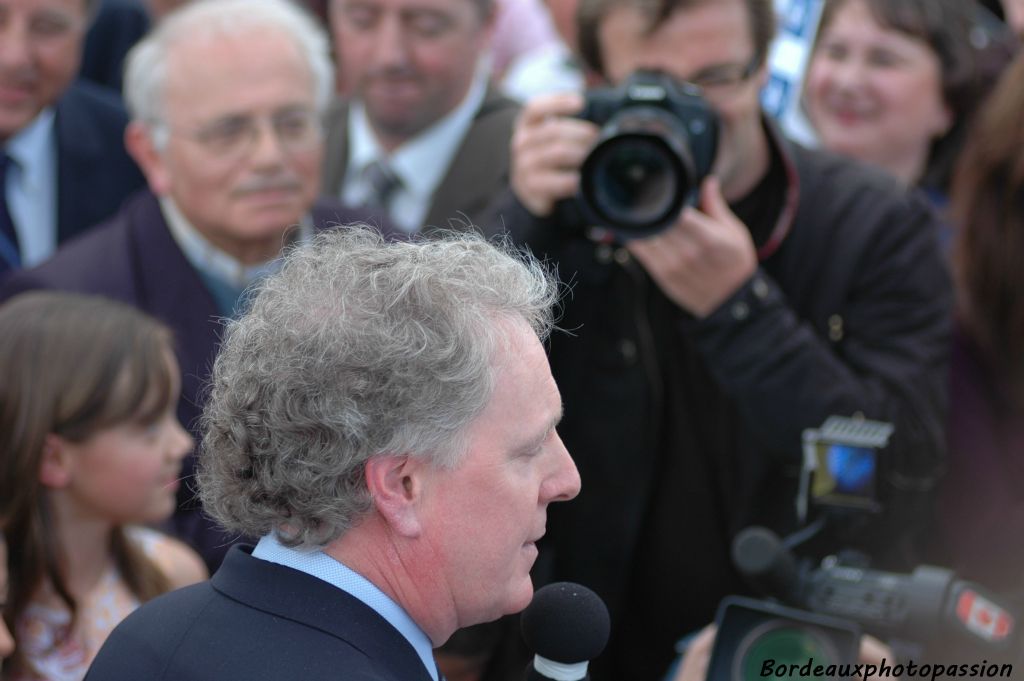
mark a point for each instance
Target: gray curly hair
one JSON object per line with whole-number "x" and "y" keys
{"x": 357, "y": 347}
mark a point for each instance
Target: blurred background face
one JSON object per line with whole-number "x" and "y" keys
{"x": 410, "y": 61}
{"x": 6, "y": 640}
{"x": 158, "y": 9}
{"x": 243, "y": 158}
{"x": 1014, "y": 11}
{"x": 875, "y": 93}
{"x": 563, "y": 14}
{"x": 40, "y": 50}
{"x": 709, "y": 43}
{"x": 128, "y": 472}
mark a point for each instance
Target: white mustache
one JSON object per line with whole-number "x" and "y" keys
{"x": 260, "y": 184}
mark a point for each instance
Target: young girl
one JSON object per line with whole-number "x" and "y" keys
{"x": 89, "y": 445}
{"x": 6, "y": 640}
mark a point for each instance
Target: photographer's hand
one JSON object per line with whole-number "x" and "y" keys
{"x": 697, "y": 658}
{"x": 703, "y": 258}
{"x": 548, "y": 148}
{"x": 694, "y": 665}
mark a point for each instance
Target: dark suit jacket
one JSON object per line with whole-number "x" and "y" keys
{"x": 118, "y": 25}
{"x": 134, "y": 259}
{"x": 94, "y": 172}
{"x": 256, "y": 620}
{"x": 477, "y": 174}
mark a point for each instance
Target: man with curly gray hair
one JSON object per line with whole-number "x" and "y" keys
{"x": 384, "y": 418}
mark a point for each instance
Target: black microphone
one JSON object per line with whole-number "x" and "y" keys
{"x": 766, "y": 563}
{"x": 566, "y": 625}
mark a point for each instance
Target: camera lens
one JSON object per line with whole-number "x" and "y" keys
{"x": 635, "y": 182}
{"x": 785, "y": 644}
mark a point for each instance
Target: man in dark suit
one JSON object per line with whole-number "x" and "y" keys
{"x": 384, "y": 418}
{"x": 226, "y": 128}
{"x": 423, "y": 139}
{"x": 63, "y": 166}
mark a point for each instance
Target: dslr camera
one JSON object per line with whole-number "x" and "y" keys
{"x": 658, "y": 141}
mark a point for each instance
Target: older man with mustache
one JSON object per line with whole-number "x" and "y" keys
{"x": 227, "y": 100}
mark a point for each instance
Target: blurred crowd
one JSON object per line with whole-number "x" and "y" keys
{"x": 157, "y": 158}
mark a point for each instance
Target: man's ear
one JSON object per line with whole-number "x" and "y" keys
{"x": 395, "y": 486}
{"x": 55, "y": 468}
{"x": 138, "y": 141}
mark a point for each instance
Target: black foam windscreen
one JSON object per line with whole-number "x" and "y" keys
{"x": 765, "y": 562}
{"x": 566, "y": 623}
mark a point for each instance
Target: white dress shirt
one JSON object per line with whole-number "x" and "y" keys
{"x": 31, "y": 188}
{"x": 318, "y": 564}
{"x": 213, "y": 261}
{"x": 420, "y": 163}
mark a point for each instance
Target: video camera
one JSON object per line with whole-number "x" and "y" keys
{"x": 658, "y": 141}
{"x": 825, "y": 607}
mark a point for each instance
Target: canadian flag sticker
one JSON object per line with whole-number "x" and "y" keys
{"x": 982, "y": 617}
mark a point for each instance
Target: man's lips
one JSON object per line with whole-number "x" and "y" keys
{"x": 394, "y": 88}
{"x": 14, "y": 93}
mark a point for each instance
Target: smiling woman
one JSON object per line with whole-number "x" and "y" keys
{"x": 894, "y": 83}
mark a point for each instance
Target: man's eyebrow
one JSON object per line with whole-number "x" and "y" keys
{"x": 715, "y": 68}
{"x": 536, "y": 442}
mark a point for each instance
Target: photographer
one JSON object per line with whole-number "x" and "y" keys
{"x": 799, "y": 286}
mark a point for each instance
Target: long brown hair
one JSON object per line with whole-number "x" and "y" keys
{"x": 988, "y": 208}
{"x": 70, "y": 365}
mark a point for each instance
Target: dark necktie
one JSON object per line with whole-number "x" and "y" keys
{"x": 10, "y": 251}
{"x": 382, "y": 182}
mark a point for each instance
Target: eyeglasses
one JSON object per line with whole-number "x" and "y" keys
{"x": 296, "y": 129}
{"x": 722, "y": 77}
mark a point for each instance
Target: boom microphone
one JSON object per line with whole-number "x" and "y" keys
{"x": 926, "y": 604}
{"x": 566, "y": 625}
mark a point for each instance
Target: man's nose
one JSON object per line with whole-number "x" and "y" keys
{"x": 267, "y": 147}
{"x": 564, "y": 484}
{"x": 15, "y": 46}
{"x": 391, "y": 46}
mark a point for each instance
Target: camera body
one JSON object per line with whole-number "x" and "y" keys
{"x": 928, "y": 613}
{"x": 658, "y": 141}
{"x": 760, "y": 639}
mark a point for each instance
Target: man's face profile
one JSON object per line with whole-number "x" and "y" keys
{"x": 483, "y": 518}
